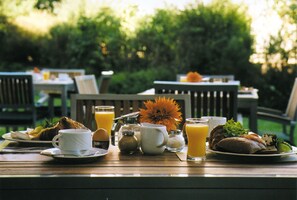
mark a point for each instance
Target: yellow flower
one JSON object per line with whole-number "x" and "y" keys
{"x": 194, "y": 77}
{"x": 163, "y": 111}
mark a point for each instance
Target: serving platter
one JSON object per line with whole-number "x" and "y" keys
{"x": 294, "y": 151}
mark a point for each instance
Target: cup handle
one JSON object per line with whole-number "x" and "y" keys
{"x": 165, "y": 138}
{"x": 54, "y": 140}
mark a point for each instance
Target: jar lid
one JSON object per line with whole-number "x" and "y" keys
{"x": 128, "y": 132}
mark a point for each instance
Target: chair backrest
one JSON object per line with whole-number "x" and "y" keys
{"x": 291, "y": 110}
{"x": 17, "y": 98}
{"x": 82, "y": 106}
{"x": 207, "y": 99}
{"x": 71, "y": 72}
{"x": 104, "y": 81}
{"x": 86, "y": 84}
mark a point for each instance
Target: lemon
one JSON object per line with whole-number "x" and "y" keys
{"x": 283, "y": 147}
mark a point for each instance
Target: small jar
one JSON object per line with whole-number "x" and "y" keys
{"x": 130, "y": 124}
{"x": 176, "y": 141}
{"x": 128, "y": 142}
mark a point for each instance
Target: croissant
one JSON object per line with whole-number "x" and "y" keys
{"x": 48, "y": 134}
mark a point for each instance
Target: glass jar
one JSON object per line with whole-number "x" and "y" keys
{"x": 130, "y": 124}
{"x": 176, "y": 141}
{"x": 128, "y": 142}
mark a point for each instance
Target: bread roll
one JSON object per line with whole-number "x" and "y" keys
{"x": 240, "y": 145}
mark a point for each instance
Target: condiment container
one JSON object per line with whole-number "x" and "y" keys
{"x": 176, "y": 141}
{"x": 128, "y": 142}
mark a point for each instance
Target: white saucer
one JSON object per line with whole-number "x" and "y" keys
{"x": 90, "y": 156}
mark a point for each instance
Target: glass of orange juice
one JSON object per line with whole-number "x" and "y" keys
{"x": 196, "y": 130}
{"x": 104, "y": 116}
{"x": 46, "y": 75}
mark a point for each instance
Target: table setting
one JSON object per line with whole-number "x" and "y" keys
{"x": 155, "y": 129}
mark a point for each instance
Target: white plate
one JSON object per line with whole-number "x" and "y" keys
{"x": 92, "y": 155}
{"x": 294, "y": 151}
{"x": 7, "y": 136}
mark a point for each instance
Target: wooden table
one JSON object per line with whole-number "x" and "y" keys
{"x": 61, "y": 87}
{"x": 138, "y": 176}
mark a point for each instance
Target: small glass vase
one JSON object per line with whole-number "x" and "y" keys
{"x": 176, "y": 141}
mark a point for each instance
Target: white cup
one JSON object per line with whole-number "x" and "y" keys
{"x": 214, "y": 121}
{"x": 154, "y": 138}
{"x": 73, "y": 141}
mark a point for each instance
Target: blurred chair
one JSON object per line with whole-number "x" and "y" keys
{"x": 86, "y": 84}
{"x": 287, "y": 119}
{"x": 104, "y": 81}
{"x": 207, "y": 99}
{"x": 17, "y": 107}
{"x": 82, "y": 105}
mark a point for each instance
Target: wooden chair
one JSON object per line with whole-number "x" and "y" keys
{"x": 82, "y": 105}
{"x": 17, "y": 108}
{"x": 104, "y": 81}
{"x": 86, "y": 84}
{"x": 207, "y": 99}
{"x": 287, "y": 119}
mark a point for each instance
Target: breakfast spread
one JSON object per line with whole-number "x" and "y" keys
{"x": 232, "y": 137}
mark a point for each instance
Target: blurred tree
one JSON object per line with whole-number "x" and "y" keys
{"x": 48, "y": 5}
{"x": 215, "y": 39}
{"x": 154, "y": 44}
{"x": 95, "y": 43}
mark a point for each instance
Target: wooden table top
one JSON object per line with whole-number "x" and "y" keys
{"x": 138, "y": 176}
{"x": 167, "y": 164}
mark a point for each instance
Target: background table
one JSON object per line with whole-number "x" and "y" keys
{"x": 62, "y": 87}
{"x": 166, "y": 176}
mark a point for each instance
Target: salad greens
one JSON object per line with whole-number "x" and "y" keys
{"x": 234, "y": 129}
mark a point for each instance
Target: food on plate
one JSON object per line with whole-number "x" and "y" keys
{"x": 273, "y": 142}
{"x": 232, "y": 137}
{"x": 49, "y": 132}
{"x": 240, "y": 145}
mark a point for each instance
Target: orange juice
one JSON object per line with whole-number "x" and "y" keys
{"x": 104, "y": 119}
{"x": 46, "y": 75}
{"x": 197, "y": 134}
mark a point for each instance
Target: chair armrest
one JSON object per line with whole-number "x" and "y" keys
{"x": 275, "y": 118}
{"x": 269, "y": 110}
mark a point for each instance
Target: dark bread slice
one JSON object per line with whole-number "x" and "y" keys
{"x": 240, "y": 145}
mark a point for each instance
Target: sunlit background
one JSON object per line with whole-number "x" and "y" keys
{"x": 265, "y": 21}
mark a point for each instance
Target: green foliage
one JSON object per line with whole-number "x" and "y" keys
{"x": 95, "y": 43}
{"x": 18, "y": 48}
{"x": 214, "y": 39}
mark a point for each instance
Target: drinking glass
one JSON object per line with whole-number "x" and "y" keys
{"x": 104, "y": 116}
{"x": 46, "y": 75}
{"x": 196, "y": 130}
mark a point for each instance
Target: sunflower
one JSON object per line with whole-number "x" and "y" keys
{"x": 164, "y": 111}
{"x": 194, "y": 77}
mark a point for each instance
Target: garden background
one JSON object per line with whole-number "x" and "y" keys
{"x": 210, "y": 38}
